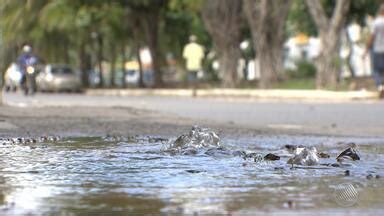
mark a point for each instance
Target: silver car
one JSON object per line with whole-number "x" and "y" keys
{"x": 58, "y": 78}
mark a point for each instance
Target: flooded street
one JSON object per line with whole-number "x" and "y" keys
{"x": 122, "y": 175}
{"x": 88, "y": 172}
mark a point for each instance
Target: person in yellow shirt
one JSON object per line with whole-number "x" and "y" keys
{"x": 193, "y": 54}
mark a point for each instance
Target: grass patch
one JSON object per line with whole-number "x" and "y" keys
{"x": 309, "y": 84}
{"x": 305, "y": 83}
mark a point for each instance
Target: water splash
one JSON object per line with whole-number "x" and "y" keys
{"x": 197, "y": 138}
{"x": 305, "y": 156}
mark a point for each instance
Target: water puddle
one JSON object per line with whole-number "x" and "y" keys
{"x": 194, "y": 173}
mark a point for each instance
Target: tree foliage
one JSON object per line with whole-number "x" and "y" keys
{"x": 300, "y": 20}
{"x": 84, "y": 33}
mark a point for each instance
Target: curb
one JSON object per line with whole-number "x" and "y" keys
{"x": 274, "y": 94}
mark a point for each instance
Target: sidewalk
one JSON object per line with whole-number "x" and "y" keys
{"x": 272, "y": 94}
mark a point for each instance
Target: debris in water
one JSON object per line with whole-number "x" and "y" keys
{"x": 331, "y": 164}
{"x": 369, "y": 176}
{"x": 294, "y": 149}
{"x": 194, "y": 171}
{"x": 252, "y": 155}
{"x": 181, "y": 141}
{"x": 190, "y": 151}
{"x": 348, "y": 154}
{"x": 48, "y": 139}
{"x": 239, "y": 154}
{"x": 30, "y": 140}
{"x": 218, "y": 151}
{"x": 258, "y": 158}
{"x": 289, "y": 204}
{"x": 323, "y": 155}
{"x": 157, "y": 140}
{"x": 347, "y": 172}
{"x": 272, "y": 157}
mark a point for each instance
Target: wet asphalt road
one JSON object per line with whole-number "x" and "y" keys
{"x": 358, "y": 118}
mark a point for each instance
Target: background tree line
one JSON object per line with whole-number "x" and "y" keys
{"x": 84, "y": 33}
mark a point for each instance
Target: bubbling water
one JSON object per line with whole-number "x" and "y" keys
{"x": 196, "y": 139}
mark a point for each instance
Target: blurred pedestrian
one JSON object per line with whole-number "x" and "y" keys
{"x": 27, "y": 62}
{"x": 193, "y": 54}
{"x": 375, "y": 46}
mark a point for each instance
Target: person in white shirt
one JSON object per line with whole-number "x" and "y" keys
{"x": 376, "y": 47}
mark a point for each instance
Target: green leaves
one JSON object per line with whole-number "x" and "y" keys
{"x": 58, "y": 15}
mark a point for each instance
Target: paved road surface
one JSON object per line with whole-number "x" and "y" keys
{"x": 346, "y": 118}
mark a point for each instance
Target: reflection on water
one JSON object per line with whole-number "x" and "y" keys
{"x": 123, "y": 175}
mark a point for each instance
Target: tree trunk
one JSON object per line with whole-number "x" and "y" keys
{"x": 136, "y": 39}
{"x": 328, "y": 63}
{"x": 350, "y": 55}
{"x": 141, "y": 81}
{"x": 268, "y": 42}
{"x": 113, "y": 65}
{"x": 100, "y": 60}
{"x": 155, "y": 63}
{"x": 83, "y": 64}
{"x": 269, "y": 64}
{"x": 151, "y": 25}
{"x": 223, "y": 20}
{"x": 123, "y": 60}
{"x": 66, "y": 52}
{"x": 228, "y": 65}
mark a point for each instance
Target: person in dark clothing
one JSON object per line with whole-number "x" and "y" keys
{"x": 26, "y": 61}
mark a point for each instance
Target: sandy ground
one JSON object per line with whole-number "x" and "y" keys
{"x": 101, "y": 121}
{"x": 85, "y": 115}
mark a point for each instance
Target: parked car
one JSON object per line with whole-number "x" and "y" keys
{"x": 12, "y": 77}
{"x": 132, "y": 77}
{"x": 58, "y": 78}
